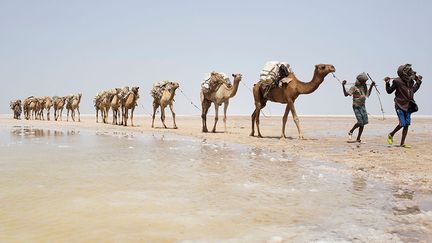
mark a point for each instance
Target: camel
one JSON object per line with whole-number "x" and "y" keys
{"x": 16, "y": 108}
{"x": 219, "y": 96}
{"x": 287, "y": 94}
{"x": 58, "y": 104}
{"x": 116, "y": 103}
{"x": 73, "y": 103}
{"x": 167, "y": 98}
{"x": 46, "y": 103}
{"x": 129, "y": 102}
{"x": 31, "y": 106}
{"x": 102, "y": 104}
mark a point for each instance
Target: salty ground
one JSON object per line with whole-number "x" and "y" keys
{"x": 87, "y": 181}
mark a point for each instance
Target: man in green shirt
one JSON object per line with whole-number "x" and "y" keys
{"x": 359, "y": 92}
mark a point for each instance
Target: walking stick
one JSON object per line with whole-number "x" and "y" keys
{"x": 378, "y": 94}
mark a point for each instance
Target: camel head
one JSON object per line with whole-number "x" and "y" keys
{"x": 135, "y": 90}
{"x": 323, "y": 69}
{"x": 237, "y": 76}
{"x": 172, "y": 86}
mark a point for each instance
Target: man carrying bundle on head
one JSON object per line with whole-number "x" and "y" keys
{"x": 359, "y": 92}
{"x": 404, "y": 99}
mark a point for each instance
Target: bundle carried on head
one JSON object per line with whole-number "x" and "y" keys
{"x": 212, "y": 81}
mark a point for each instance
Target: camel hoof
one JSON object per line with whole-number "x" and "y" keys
{"x": 204, "y": 130}
{"x": 260, "y": 136}
{"x": 175, "y": 127}
{"x": 301, "y": 137}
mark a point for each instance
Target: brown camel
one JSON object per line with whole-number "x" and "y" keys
{"x": 130, "y": 101}
{"x": 221, "y": 95}
{"x": 287, "y": 94}
{"x": 167, "y": 98}
{"x": 16, "y": 108}
{"x": 58, "y": 105}
{"x": 73, "y": 103}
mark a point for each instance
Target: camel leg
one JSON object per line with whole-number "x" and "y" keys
{"x": 205, "y": 105}
{"x": 253, "y": 116}
{"x": 73, "y": 115}
{"x": 42, "y": 115}
{"x": 132, "y": 111}
{"x": 55, "y": 114}
{"x": 225, "y": 111}
{"x": 173, "y": 114}
{"x": 79, "y": 115}
{"x": 163, "y": 116}
{"x": 216, "y": 116}
{"x": 97, "y": 115}
{"x": 48, "y": 115}
{"x": 257, "y": 121}
{"x": 114, "y": 117}
{"x": 67, "y": 115}
{"x": 155, "y": 106}
{"x": 61, "y": 112}
{"x": 284, "y": 119}
{"x": 125, "y": 118}
{"x": 297, "y": 121}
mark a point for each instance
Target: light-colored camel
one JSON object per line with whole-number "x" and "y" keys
{"x": 115, "y": 106}
{"x": 287, "y": 94}
{"x": 16, "y": 108}
{"x": 58, "y": 105}
{"x": 31, "y": 106}
{"x": 130, "y": 101}
{"x": 167, "y": 98}
{"x": 221, "y": 95}
{"x": 102, "y": 104}
{"x": 46, "y": 104}
{"x": 73, "y": 103}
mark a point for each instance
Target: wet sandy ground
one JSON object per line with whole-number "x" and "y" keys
{"x": 206, "y": 187}
{"x": 326, "y": 140}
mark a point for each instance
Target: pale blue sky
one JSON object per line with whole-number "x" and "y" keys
{"x": 63, "y": 47}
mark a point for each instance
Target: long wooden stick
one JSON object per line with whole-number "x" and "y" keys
{"x": 378, "y": 94}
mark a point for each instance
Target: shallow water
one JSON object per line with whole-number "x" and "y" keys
{"x": 83, "y": 185}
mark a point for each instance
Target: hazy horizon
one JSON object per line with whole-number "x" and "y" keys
{"x": 59, "y": 48}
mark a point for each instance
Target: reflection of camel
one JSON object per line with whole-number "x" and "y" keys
{"x": 58, "y": 104}
{"x": 16, "y": 108}
{"x": 130, "y": 101}
{"x": 287, "y": 94}
{"x": 221, "y": 95}
{"x": 167, "y": 98}
{"x": 73, "y": 103}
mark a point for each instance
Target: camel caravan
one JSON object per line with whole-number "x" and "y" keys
{"x": 118, "y": 100}
{"x": 34, "y": 107}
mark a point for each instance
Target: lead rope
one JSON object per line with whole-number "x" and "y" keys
{"x": 189, "y": 99}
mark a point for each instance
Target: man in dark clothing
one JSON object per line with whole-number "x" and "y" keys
{"x": 404, "y": 99}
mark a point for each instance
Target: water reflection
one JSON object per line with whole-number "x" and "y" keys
{"x": 159, "y": 187}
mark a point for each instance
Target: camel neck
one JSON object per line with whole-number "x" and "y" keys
{"x": 233, "y": 89}
{"x": 307, "y": 88}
